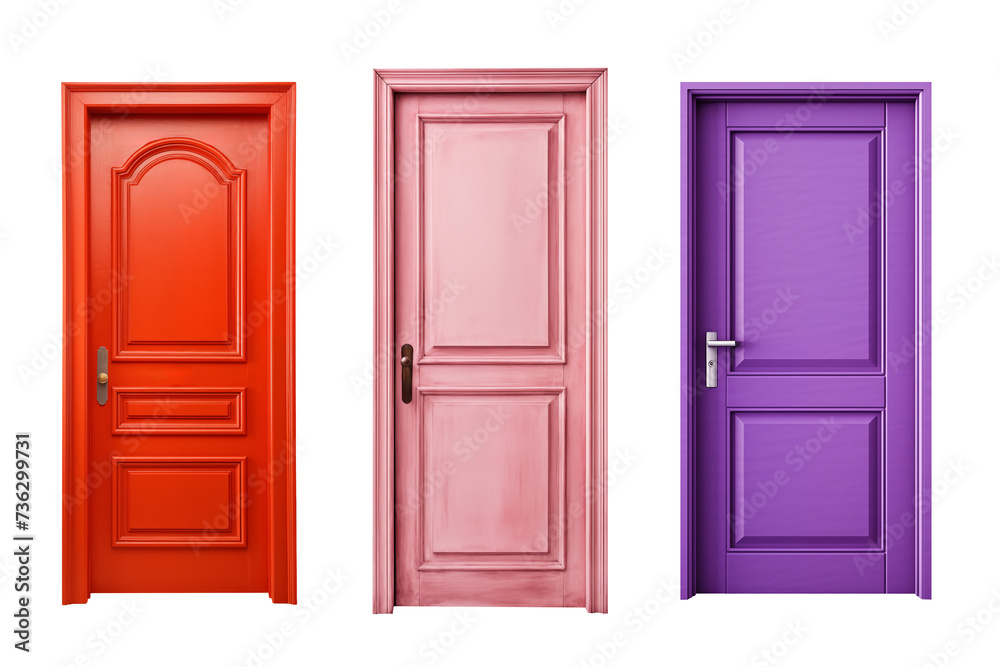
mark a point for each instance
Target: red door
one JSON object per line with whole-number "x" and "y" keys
{"x": 179, "y": 433}
{"x": 491, "y": 306}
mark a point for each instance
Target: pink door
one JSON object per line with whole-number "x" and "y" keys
{"x": 492, "y": 356}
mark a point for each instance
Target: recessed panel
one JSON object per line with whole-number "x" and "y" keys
{"x": 178, "y": 411}
{"x": 178, "y": 208}
{"x": 806, "y": 279}
{"x": 178, "y": 502}
{"x": 491, "y": 233}
{"x": 493, "y": 473}
{"x": 156, "y": 503}
{"x": 805, "y": 480}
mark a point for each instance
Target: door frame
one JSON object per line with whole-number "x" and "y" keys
{"x": 592, "y": 82}
{"x": 79, "y": 101}
{"x": 920, "y": 95}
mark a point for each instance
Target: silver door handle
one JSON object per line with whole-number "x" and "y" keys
{"x": 712, "y": 357}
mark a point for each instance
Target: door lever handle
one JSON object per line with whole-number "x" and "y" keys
{"x": 406, "y": 363}
{"x": 102, "y": 375}
{"x": 712, "y": 342}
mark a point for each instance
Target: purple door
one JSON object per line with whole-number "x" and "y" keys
{"x": 805, "y": 425}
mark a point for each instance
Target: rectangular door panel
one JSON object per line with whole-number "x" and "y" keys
{"x": 181, "y": 410}
{"x": 501, "y": 456}
{"x": 179, "y": 502}
{"x": 178, "y": 229}
{"x": 795, "y": 270}
{"x": 806, "y": 480}
{"x": 475, "y": 306}
{"x": 806, "y": 573}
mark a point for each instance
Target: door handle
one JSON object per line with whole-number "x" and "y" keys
{"x": 712, "y": 342}
{"x": 406, "y": 362}
{"x": 102, "y": 375}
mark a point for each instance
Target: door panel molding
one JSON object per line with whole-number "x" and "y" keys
{"x": 221, "y": 343}
{"x": 223, "y": 412}
{"x": 760, "y": 104}
{"x": 592, "y": 82}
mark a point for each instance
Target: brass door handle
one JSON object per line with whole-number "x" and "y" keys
{"x": 406, "y": 362}
{"x": 102, "y": 375}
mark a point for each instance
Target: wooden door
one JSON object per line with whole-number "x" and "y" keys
{"x": 807, "y": 411}
{"x": 493, "y": 378}
{"x": 179, "y": 433}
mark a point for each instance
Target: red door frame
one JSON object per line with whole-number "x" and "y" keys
{"x": 79, "y": 101}
{"x": 593, "y": 82}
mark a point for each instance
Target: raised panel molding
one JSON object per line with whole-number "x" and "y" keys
{"x": 836, "y": 223}
{"x": 178, "y": 411}
{"x": 532, "y": 237}
{"x": 522, "y": 529}
{"x": 806, "y": 481}
{"x": 165, "y": 310}
{"x": 178, "y": 502}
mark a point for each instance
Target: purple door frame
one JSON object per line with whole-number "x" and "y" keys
{"x": 692, "y": 376}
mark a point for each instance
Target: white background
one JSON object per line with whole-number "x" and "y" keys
{"x": 952, "y": 44}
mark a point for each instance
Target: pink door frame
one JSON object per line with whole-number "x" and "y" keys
{"x": 593, "y": 82}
